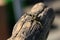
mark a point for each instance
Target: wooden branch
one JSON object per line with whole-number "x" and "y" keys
{"x": 33, "y": 25}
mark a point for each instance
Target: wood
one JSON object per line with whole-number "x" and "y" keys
{"x": 33, "y": 25}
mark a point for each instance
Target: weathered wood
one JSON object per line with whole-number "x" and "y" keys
{"x": 33, "y": 25}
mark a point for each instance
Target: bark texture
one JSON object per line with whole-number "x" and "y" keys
{"x": 34, "y": 25}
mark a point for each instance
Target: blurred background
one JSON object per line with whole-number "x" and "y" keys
{"x": 12, "y": 10}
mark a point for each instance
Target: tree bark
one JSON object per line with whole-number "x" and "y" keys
{"x": 34, "y": 25}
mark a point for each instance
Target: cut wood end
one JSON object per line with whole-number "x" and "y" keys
{"x": 37, "y": 7}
